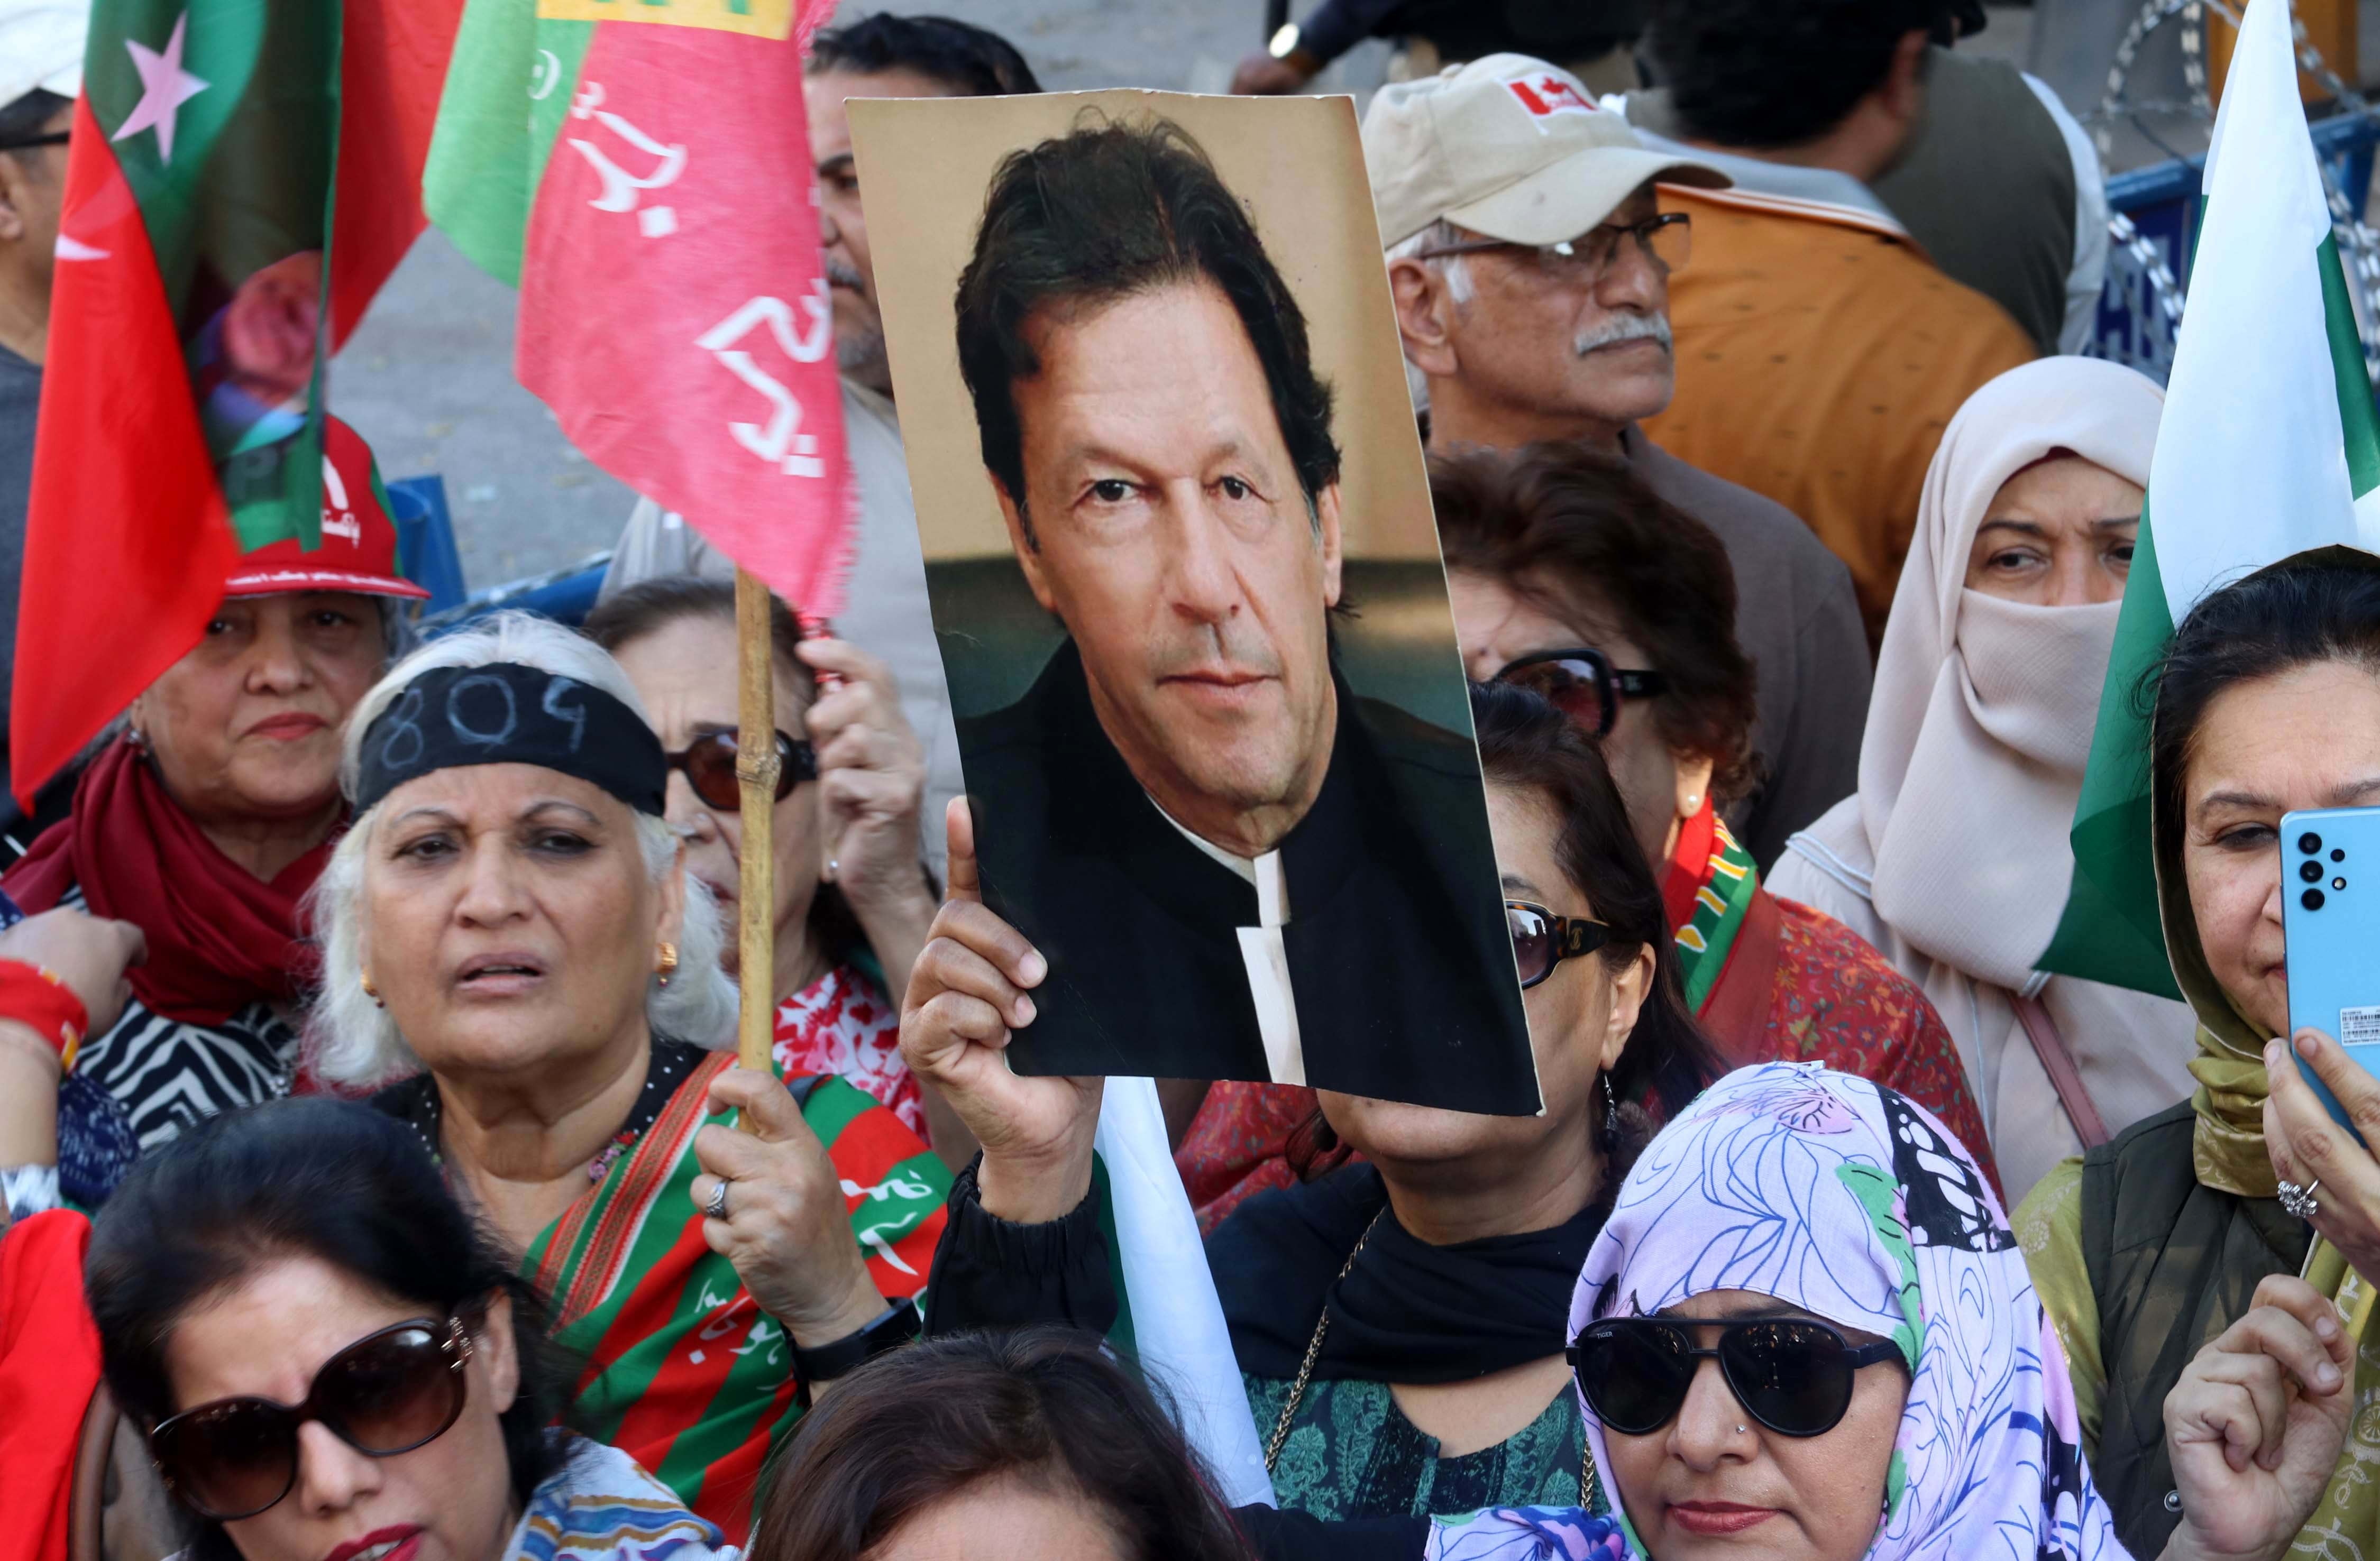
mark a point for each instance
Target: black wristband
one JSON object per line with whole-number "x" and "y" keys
{"x": 889, "y": 1329}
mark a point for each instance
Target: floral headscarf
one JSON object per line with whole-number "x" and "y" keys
{"x": 1841, "y": 1198}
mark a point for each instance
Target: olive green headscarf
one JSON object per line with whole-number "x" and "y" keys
{"x": 2228, "y": 1153}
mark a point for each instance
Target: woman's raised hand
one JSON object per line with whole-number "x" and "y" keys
{"x": 2255, "y": 1424}
{"x": 966, "y": 994}
{"x": 871, "y": 775}
{"x": 2310, "y": 1149}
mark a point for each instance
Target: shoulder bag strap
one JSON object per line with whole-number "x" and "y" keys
{"x": 2064, "y": 1076}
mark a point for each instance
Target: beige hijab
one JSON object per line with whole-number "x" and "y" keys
{"x": 1977, "y": 735}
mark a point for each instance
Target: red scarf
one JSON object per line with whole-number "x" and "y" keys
{"x": 219, "y": 938}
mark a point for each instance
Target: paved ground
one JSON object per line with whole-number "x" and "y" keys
{"x": 428, "y": 378}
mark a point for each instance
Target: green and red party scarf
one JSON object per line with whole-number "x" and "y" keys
{"x": 1707, "y": 891}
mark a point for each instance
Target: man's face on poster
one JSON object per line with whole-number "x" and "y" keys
{"x": 1164, "y": 524}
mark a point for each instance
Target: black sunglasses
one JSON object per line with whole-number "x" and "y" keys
{"x": 47, "y": 138}
{"x": 1582, "y": 683}
{"x": 387, "y": 1393}
{"x": 1542, "y": 940}
{"x": 710, "y": 765}
{"x": 1793, "y": 1377}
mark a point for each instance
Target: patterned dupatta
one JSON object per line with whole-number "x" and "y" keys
{"x": 681, "y": 1372}
{"x": 1707, "y": 890}
{"x": 1849, "y": 1202}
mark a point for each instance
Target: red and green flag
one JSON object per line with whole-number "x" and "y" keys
{"x": 244, "y": 176}
{"x": 640, "y": 169}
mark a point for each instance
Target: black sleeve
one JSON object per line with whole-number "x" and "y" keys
{"x": 990, "y": 1273}
{"x": 1337, "y": 26}
{"x": 1300, "y": 1536}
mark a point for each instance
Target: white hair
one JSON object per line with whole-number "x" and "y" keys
{"x": 351, "y": 1039}
{"x": 1453, "y": 270}
{"x": 1440, "y": 235}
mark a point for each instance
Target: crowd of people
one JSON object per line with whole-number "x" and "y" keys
{"x": 377, "y": 1184}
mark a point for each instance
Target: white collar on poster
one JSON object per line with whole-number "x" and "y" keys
{"x": 1263, "y": 952}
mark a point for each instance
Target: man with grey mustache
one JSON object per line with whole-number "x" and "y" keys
{"x": 1530, "y": 261}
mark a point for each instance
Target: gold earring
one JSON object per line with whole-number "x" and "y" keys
{"x": 371, "y": 991}
{"x": 667, "y": 963}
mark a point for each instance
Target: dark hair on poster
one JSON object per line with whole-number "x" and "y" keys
{"x": 1098, "y": 215}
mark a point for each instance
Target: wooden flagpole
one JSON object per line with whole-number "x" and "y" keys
{"x": 757, "y": 768}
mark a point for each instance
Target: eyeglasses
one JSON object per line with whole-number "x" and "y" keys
{"x": 1666, "y": 241}
{"x": 387, "y": 1393}
{"x": 1542, "y": 940}
{"x": 1583, "y": 684}
{"x": 47, "y": 138}
{"x": 709, "y": 763}
{"x": 1793, "y": 1377}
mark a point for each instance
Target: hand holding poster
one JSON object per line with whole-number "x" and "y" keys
{"x": 1179, "y": 551}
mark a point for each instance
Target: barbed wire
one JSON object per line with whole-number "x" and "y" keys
{"x": 2357, "y": 242}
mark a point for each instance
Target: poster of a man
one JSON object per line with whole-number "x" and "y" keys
{"x": 1240, "y": 860}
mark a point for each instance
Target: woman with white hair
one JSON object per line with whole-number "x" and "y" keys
{"x": 516, "y": 958}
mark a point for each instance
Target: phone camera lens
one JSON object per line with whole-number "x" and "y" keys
{"x": 2309, "y": 842}
{"x": 2310, "y": 900}
{"x": 2310, "y": 871}
{"x": 2339, "y": 853}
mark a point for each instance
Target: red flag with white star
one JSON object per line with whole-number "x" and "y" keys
{"x": 244, "y": 176}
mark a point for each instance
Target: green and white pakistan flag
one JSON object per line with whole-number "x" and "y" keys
{"x": 2269, "y": 446}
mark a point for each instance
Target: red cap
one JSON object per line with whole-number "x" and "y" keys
{"x": 358, "y": 550}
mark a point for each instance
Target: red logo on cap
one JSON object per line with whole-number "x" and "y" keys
{"x": 1546, "y": 93}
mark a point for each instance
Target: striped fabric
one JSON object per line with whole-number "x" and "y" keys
{"x": 681, "y": 1372}
{"x": 1726, "y": 882}
{"x": 602, "y": 1508}
{"x": 167, "y": 1074}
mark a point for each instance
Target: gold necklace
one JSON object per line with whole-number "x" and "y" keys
{"x": 1313, "y": 1351}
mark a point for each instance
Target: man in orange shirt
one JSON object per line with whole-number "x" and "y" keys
{"x": 1819, "y": 353}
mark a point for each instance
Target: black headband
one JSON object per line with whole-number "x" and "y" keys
{"x": 505, "y": 713}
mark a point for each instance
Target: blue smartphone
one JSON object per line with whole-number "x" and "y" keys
{"x": 2330, "y": 917}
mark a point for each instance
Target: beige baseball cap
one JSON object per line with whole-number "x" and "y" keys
{"x": 1509, "y": 147}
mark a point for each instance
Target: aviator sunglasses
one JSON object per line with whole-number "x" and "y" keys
{"x": 710, "y": 765}
{"x": 1792, "y": 1376}
{"x": 387, "y": 1393}
{"x": 1583, "y": 684}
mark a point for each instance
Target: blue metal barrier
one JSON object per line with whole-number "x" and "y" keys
{"x": 425, "y": 540}
{"x": 566, "y": 595}
{"x": 2162, "y": 201}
